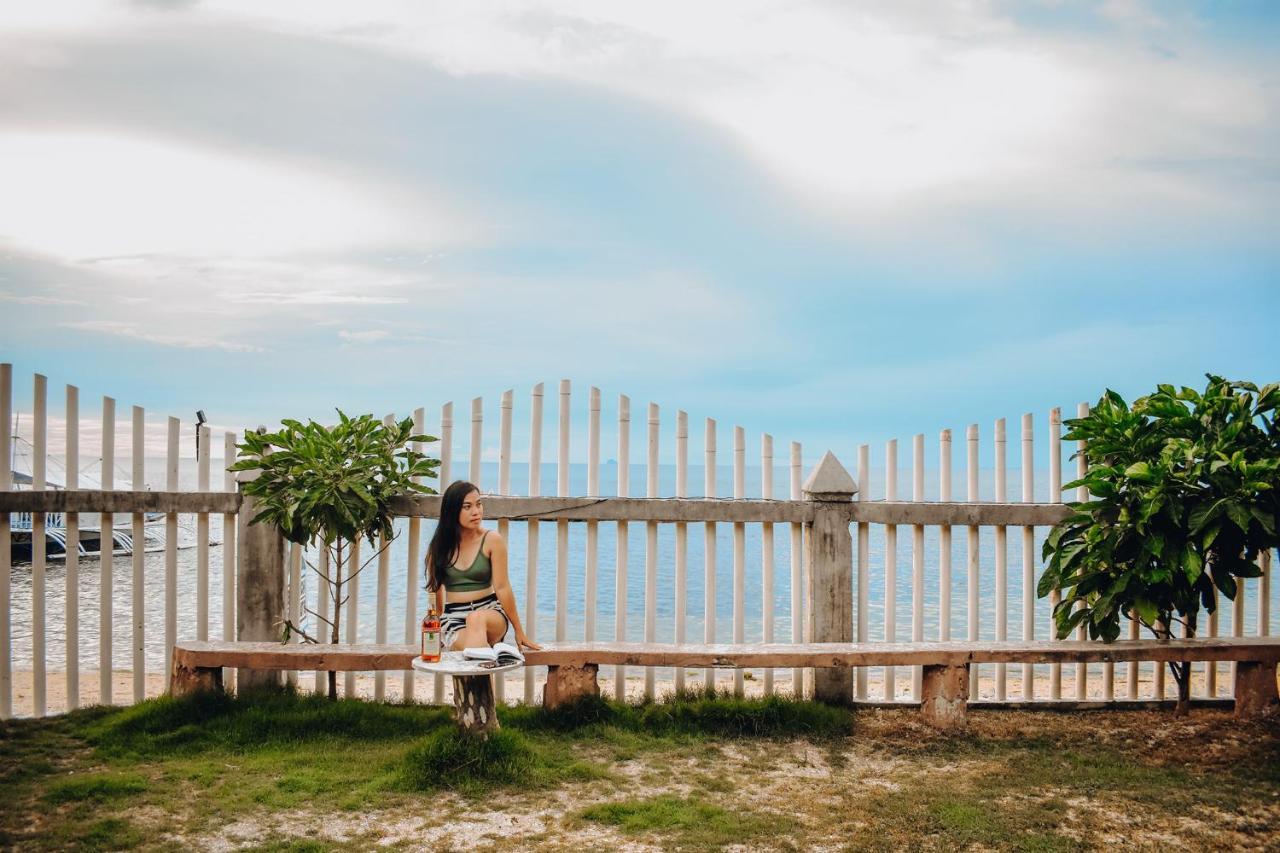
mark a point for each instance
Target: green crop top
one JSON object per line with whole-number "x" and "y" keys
{"x": 477, "y": 576}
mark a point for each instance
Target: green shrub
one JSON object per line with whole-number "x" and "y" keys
{"x": 1184, "y": 493}
{"x": 452, "y": 758}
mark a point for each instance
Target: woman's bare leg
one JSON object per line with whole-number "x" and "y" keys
{"x": 495, "y": 626}
{"x": 474, "y": 634}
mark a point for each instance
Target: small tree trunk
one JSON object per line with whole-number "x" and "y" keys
{"x": 337, "y": 613}
{"x": 1182, "y": 673}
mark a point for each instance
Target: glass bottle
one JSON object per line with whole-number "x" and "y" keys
{"x": 431, "y": 637}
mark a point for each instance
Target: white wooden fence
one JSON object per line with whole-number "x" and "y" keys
{"x": 753, "y": 518}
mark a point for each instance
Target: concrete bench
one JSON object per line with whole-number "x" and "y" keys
{"x": 572, "y": 668}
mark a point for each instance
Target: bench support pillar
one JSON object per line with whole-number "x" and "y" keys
{"x": 1255, "y": 689}
{"x": 567, "y": 684}
{"x": 473, "y": 703}
{"x": 944, "y": 695}
{"x": 185, "y": 680}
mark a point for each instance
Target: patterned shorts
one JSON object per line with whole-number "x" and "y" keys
{"x": 455, "y": 617}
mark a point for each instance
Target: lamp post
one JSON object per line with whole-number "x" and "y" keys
{"x": 200, "y": 421}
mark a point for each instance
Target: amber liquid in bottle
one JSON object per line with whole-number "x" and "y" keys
{"x": 431, "y": 637}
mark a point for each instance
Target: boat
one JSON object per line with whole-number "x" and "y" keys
{"x": 90, "y": 538}
{"x": 22, "y": 524}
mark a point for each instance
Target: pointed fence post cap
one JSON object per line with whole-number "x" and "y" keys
{"x": 829, "y": 481}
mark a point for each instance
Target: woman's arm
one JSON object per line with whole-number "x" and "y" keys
{"x": 502, "y": 586}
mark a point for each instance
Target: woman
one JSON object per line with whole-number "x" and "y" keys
{"x": 472, "y": 591}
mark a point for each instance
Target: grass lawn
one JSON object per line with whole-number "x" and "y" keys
{"x": 289, "y": 772}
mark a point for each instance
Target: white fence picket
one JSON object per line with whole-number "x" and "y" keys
{"x": 413, "y": 569}
{"x": 917, "y": 560}
{"x": 170, "y": 546}
{"x": 766, "y": 554}
{"x": 739, "y": 552}
{"x": 1264, "y": 595}
{"x": 890, "y": 567}
{"x": 293, "y": 604}
{"x": 1055, "y": 496}
{"x": 1028, "y": 554}
{"x": 972, "y": 552}
{"x": 651, "y": 548}
{"x": 202, "y": 536}
{"x": 709, "y": 552}
{"x": 799, "y": 583}
{"x": 477, "y": 449}
{"x": 384, "y": 587}
{"x": 229, "y": 546}
{"x": 475, "y": 473}
{"x": 562, "y": 527}
{"x": 864, "y": 562}
{"x": 39, "y": 604}
{"x": 620, "y": 571}
{"x": 944, "y": 539}
{"x": 351, "y": 610}
{"x": 504, "y": 488}
{"x": 531, "y": 531}
{"x": 138, "y": 580}
{"x": 682, "y": 540}
{"x": 592, "y": 568}
{"x": 72, "y": 522}
{"x": 1237, "y": 625}
{"x": 1002, "y": 556}
{"x": 325, "y": 633}
{"x": 446, "y": 478}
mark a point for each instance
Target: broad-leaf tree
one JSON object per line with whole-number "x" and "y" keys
{"x": 328, "y": 487}
{"x": 1184, "y": 495}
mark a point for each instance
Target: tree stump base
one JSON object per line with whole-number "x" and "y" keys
{"x": 1256, "y": 693}
{"x": 944, "y": 696}
{"x": 473, "y": 706}
{"x": 185, "y": 679}
{"x": 567, "y": 684}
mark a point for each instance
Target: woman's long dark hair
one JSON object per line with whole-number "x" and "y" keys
{"x": 448, "y": 535}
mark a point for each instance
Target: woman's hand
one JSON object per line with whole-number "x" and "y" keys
{"x": 526, "y": 643}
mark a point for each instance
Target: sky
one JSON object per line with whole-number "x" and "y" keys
{"x": 833, "y": 222}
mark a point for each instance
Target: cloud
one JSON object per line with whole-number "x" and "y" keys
{"x": 869, "y": 107}
{"x": 314, "y": 297}
{"x": 66, "y": 192}
{"x": 127, "y": 330}
{"x": 367, "y": 336}
{"x": 31, "y": 299}
{"x": 1132, "y": 13}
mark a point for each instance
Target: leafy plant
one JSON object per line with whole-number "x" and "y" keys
{"x": 1184, "y": 494}
{"x": 329, "y": 487}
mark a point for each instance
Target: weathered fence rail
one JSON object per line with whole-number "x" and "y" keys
{"x": 835, "y": 573}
